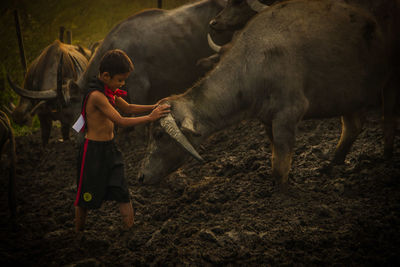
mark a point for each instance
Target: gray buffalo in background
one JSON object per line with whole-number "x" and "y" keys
{"x": 295, "y": 60}
{"x": 164, "y": 46}
{"x": 38, "y": 93}
{"x": 237, "y": 13}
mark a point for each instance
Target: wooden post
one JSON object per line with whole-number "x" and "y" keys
{"x": 20, "y": 41}
{"x": 69, "y": 37}
{"x": 61, "y": 36}
{"x": 159, "y": 3}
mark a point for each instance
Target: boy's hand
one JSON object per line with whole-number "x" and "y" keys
{"x": 159, "y": 101}
{"x": 160, "y": 111}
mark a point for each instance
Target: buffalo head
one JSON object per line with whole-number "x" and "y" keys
{"x": 39, "y": 91}
{"x": 64, "y": 99}
{"x": 168, "y": 147}
{"x": 236, "y": 14}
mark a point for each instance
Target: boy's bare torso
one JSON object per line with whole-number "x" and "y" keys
{"x": 99, "y": 127}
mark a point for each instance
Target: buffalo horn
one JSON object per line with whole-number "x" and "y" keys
{"x": 41, "y": 95}
{"x": 256, "y": 5}
{"x": 6, "y": 110}
{"x": 169, "y": 125}
{"x": 213, "y": 45}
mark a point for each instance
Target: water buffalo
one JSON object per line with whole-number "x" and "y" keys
{"x": 38, "y": 92}
{"x": 7, "y": 146}
{"x": 387, "y": 13}
{"x": 298, "y": 60}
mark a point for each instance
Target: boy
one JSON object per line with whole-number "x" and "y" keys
{"x": 100, "y": 163}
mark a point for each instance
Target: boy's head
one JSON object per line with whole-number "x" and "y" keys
{"x": 115, "y": 67}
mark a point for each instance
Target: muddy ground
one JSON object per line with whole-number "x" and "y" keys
{"x": 223, "y": 212}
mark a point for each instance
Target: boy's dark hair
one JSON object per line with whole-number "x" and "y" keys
{"x": 114, "y": 62}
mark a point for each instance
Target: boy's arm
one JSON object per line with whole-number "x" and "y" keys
{"x": 102, "y": 103}
{"x": 127, "y": 108}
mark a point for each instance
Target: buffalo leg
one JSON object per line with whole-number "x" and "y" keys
{"x": 65, "y": 131}
{"x": 12, "y": 199}
{"x": 7, "y": 140}
{"x": 351, "y": 127}
{"x": 268, "y": 130}
{"x": 45, "y": 127}
{"x": 390, "y": 99}
{"x": 282, "y": 151}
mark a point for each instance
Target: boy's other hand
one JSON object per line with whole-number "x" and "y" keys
{"x": 160, "y": 111}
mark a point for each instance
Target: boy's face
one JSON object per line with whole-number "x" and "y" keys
{"x": 115, "y": 82}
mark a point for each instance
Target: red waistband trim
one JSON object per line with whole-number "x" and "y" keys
{"x": 81, "y": 172}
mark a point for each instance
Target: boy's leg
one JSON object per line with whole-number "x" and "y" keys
{"x": 80, "y": 218}
{"x": 126, "y": 211}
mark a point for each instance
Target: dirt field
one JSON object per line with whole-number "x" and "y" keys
{"x": 223, "y": 212}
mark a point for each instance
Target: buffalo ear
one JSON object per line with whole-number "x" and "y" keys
{"x": 188, "y": 127}
{"x": 73, "y": 89}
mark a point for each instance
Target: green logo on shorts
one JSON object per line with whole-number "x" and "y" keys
{"x": 87, "y": 197}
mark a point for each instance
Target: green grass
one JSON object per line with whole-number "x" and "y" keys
{"x": 40, "y": 21}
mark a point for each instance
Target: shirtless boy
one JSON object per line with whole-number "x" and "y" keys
{"x": 100, "y": 163}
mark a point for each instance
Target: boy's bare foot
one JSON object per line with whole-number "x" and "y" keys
{"x": 127, "y": 214}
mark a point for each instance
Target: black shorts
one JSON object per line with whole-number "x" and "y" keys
{"x": 101, "y": 174}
